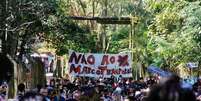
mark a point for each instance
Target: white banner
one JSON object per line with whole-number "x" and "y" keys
{"x": 96, "y": 65}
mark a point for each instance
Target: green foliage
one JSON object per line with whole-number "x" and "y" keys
{"x": 64, "y": 34}
{"x": 174, "y": 34}
{"x": 168, "y": 33}
{"x": 24, "y": 23}
{"x": 163, "y": 30}
{"x": 119, "y": 40}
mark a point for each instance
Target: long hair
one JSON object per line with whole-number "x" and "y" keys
{"x": 170, "y": 91}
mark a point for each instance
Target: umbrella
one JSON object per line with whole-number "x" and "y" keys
{"x": 186, "y": 85}
{"x": 155, "y": 70}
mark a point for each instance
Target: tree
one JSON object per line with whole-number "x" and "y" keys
{"x": 173, "y": 33}
{"x": 23, "y": 20}
{"x": 21, "y": 25}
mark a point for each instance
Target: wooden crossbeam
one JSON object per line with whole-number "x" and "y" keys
{"x": 82, "y": 18}
{"x": 105, "y": 20}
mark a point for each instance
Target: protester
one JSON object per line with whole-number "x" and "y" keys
{"x": 21, "y": 91}
{"x": 170, "y": 90}
{"x": 109, "y": 89}
{"x": 44, "y": 92}
{"x": 198, "y": 83}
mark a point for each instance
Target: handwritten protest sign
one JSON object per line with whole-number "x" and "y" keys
{"x": 96, "y": 65}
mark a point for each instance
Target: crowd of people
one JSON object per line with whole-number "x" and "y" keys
{"x": 3, "y": 90}
{"x": 90, "y": 89}
{"x": 152, "y": 88}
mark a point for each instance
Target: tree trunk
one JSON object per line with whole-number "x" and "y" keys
{"x": 59, "y": 68}
{"x": 2, "y": 25}
{"x": 103, "y": 37}
{"x": 38, "y": 73}
{"x": 12, "y": 89}
{"x": 103, "y": 34}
